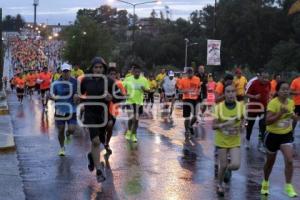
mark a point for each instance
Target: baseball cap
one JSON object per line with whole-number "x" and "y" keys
{"x": 65, "y": 66}
{"x": 171, "y": 73}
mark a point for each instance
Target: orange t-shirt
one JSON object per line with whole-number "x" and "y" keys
{"x": 114, "y": 107}
{"x": 46, "y": 77}
{"x": 190, "y": 87}
{"x": 273, "y": 87}
{"x": 20, "y": 83}
{"x": 295, "y": 86}
{"x": 219, "y": 88}
{"x": 31, "y": 80}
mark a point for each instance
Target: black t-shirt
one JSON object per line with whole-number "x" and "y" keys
{"x": 203, "y": 78}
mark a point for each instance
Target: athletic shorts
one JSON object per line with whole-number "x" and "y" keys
{"x": 273, "y": 141}
{"x": 20, "y": 91}
{"x": 43, "y": 91}
{"x": 31, "y": 87}
{"x": 94, "y": 118}
{"x": 67, "y": 118}
{"x": 170, "y": 97}
{"x": 189, "y": 107}
{"x": 297, "y": 110}
{"x": 136, "y": 109}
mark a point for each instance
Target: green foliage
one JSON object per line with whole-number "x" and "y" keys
{"x": 11, "y": 23}
{"x": 85, "y": 40}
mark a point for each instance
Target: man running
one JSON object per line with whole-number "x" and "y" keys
{"x": 136, "y": 85}
{"x": 64, "y": 91}
{"x": 76, "y": 71}
{"x": 169, "y": 92}
{"x": 31, "y": 81}
{"x": 203, "y": 92}
{"x": 159, "y": 78}
{"x": 44, "y": 79}
{"x": 240, "y": 83}
{"x": 190, "y": 87}
{"x": 20, "y": 87}
{"x": 258, "y": 94}
{"x": 295, "y": 91}
{"x": 98, "y": 90}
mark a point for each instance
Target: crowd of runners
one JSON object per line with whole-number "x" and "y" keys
{"x": 234, "y": 102}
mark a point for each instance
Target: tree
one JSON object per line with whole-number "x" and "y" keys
{"x": 11, "y": 23}
{"x": 85, "y": 40}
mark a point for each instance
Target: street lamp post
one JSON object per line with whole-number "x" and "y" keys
{"x": 134, "y": 22}
{"x": 35, "y": 4}
{"x": 186, "y": 50}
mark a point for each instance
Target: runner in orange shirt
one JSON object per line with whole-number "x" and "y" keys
{"x": 20, "y": 85}
{"x": 44, "y": 79}
{"x": 219, "y": 91}
{"x": 113, "y": 110}
{"x": 31, "y": 82}
{"x": 190, "y": 88}
{"x": 274, "y": 82}
{"x": 295, "y": 91}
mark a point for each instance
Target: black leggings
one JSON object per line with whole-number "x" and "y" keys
{"x": 262, "y": 124}
{"x": 150, "y": 97}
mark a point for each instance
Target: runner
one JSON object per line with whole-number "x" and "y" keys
{"x": 189, "y": 86}
{"x": 96, "y": 116}
{"x": 57, "y": 74}
{"x": 219, "y": 90}
{"x": 159, "y": 78}
{"x": 295, "y": 91}
{"x": 20, "y": 85}
{"x": 274, "y": 82}
{"x": 169, "y": 92}
{"x": 279, "y": 136}
{"x": 31, "y": 81}
{"x": 113, "y": 110}
{"x": 203, "y": 92}
{"x": 12, "y": 83}
{"x": 228, "y": 115}
{"x": 136, "y": 86}
{"x": 76, "y": 71}
{"x": 258, "y": 94}
{"x": 153, "y": 86}
{"x": 44, "y": 79}
{"x": 240, "y": 83}
{"x": 65, "y": 119}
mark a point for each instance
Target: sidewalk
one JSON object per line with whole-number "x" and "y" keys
{"x": 11, "y": 186}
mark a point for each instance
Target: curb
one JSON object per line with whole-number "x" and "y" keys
{"x": 7, "y": 141}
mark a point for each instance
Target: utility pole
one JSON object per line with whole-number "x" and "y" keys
{"x": 35, "y": 4}
{"x": 215, "y": 19}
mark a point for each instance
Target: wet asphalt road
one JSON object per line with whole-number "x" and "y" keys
{"x": 160, "y": 166}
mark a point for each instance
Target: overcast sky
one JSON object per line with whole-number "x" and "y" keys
{"x": 63, "y": 11}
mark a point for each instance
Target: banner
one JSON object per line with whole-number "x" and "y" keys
{"x": 213, "y": 52}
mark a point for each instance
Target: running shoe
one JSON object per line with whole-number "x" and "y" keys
{"x": 68, "y": 139}
{"x": 247, "y": 144}
{"x": 128, "y": 135}
{"x": 91, "y": 165}
{"x": 108, "y": 150}
{"x": 133, "y": 137}
{"x": 265, "y": 188}
{"x": 290, "y": 191}
{"x": 99, "y": 173}
{"x": 220, "y": 191}
{"x": 62, "y": 152}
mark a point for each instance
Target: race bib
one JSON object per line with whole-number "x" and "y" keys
{"x": 60, "y": 113}
{"x": 285, "y": 123}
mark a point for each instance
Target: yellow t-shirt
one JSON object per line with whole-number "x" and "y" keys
{"x": 240, "y": 84}
{"x": 160, "y": 77}
{"x": 229, "y": 137}
{"x": 76, "y": 73}
{"x": 153, "y": 85}
{"x": 285, "y": 124}
{"x": 56, "y": 76}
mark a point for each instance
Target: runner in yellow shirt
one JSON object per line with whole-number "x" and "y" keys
{"x": 240, "y": 83}
{"x": 159, "y": 78}
{"x": 76, "y": 71}
{"x": 279, "y": 136}
{"x": 229, "y": 115}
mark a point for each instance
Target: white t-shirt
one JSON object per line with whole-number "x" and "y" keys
{"x": 169, "y": 86}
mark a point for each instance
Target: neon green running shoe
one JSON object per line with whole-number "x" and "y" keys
{"x": 68, "y": 140}
{"x": 62, "y": 152}
{"x": 128, "y": 135}
{"x": 265, "y": 188}
{"x": 133, "y": 137}
{"x": 290, "y": 191}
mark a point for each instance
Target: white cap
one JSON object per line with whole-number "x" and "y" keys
{"x": 65, "y": 66}
{"x": 171, "y": 73}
